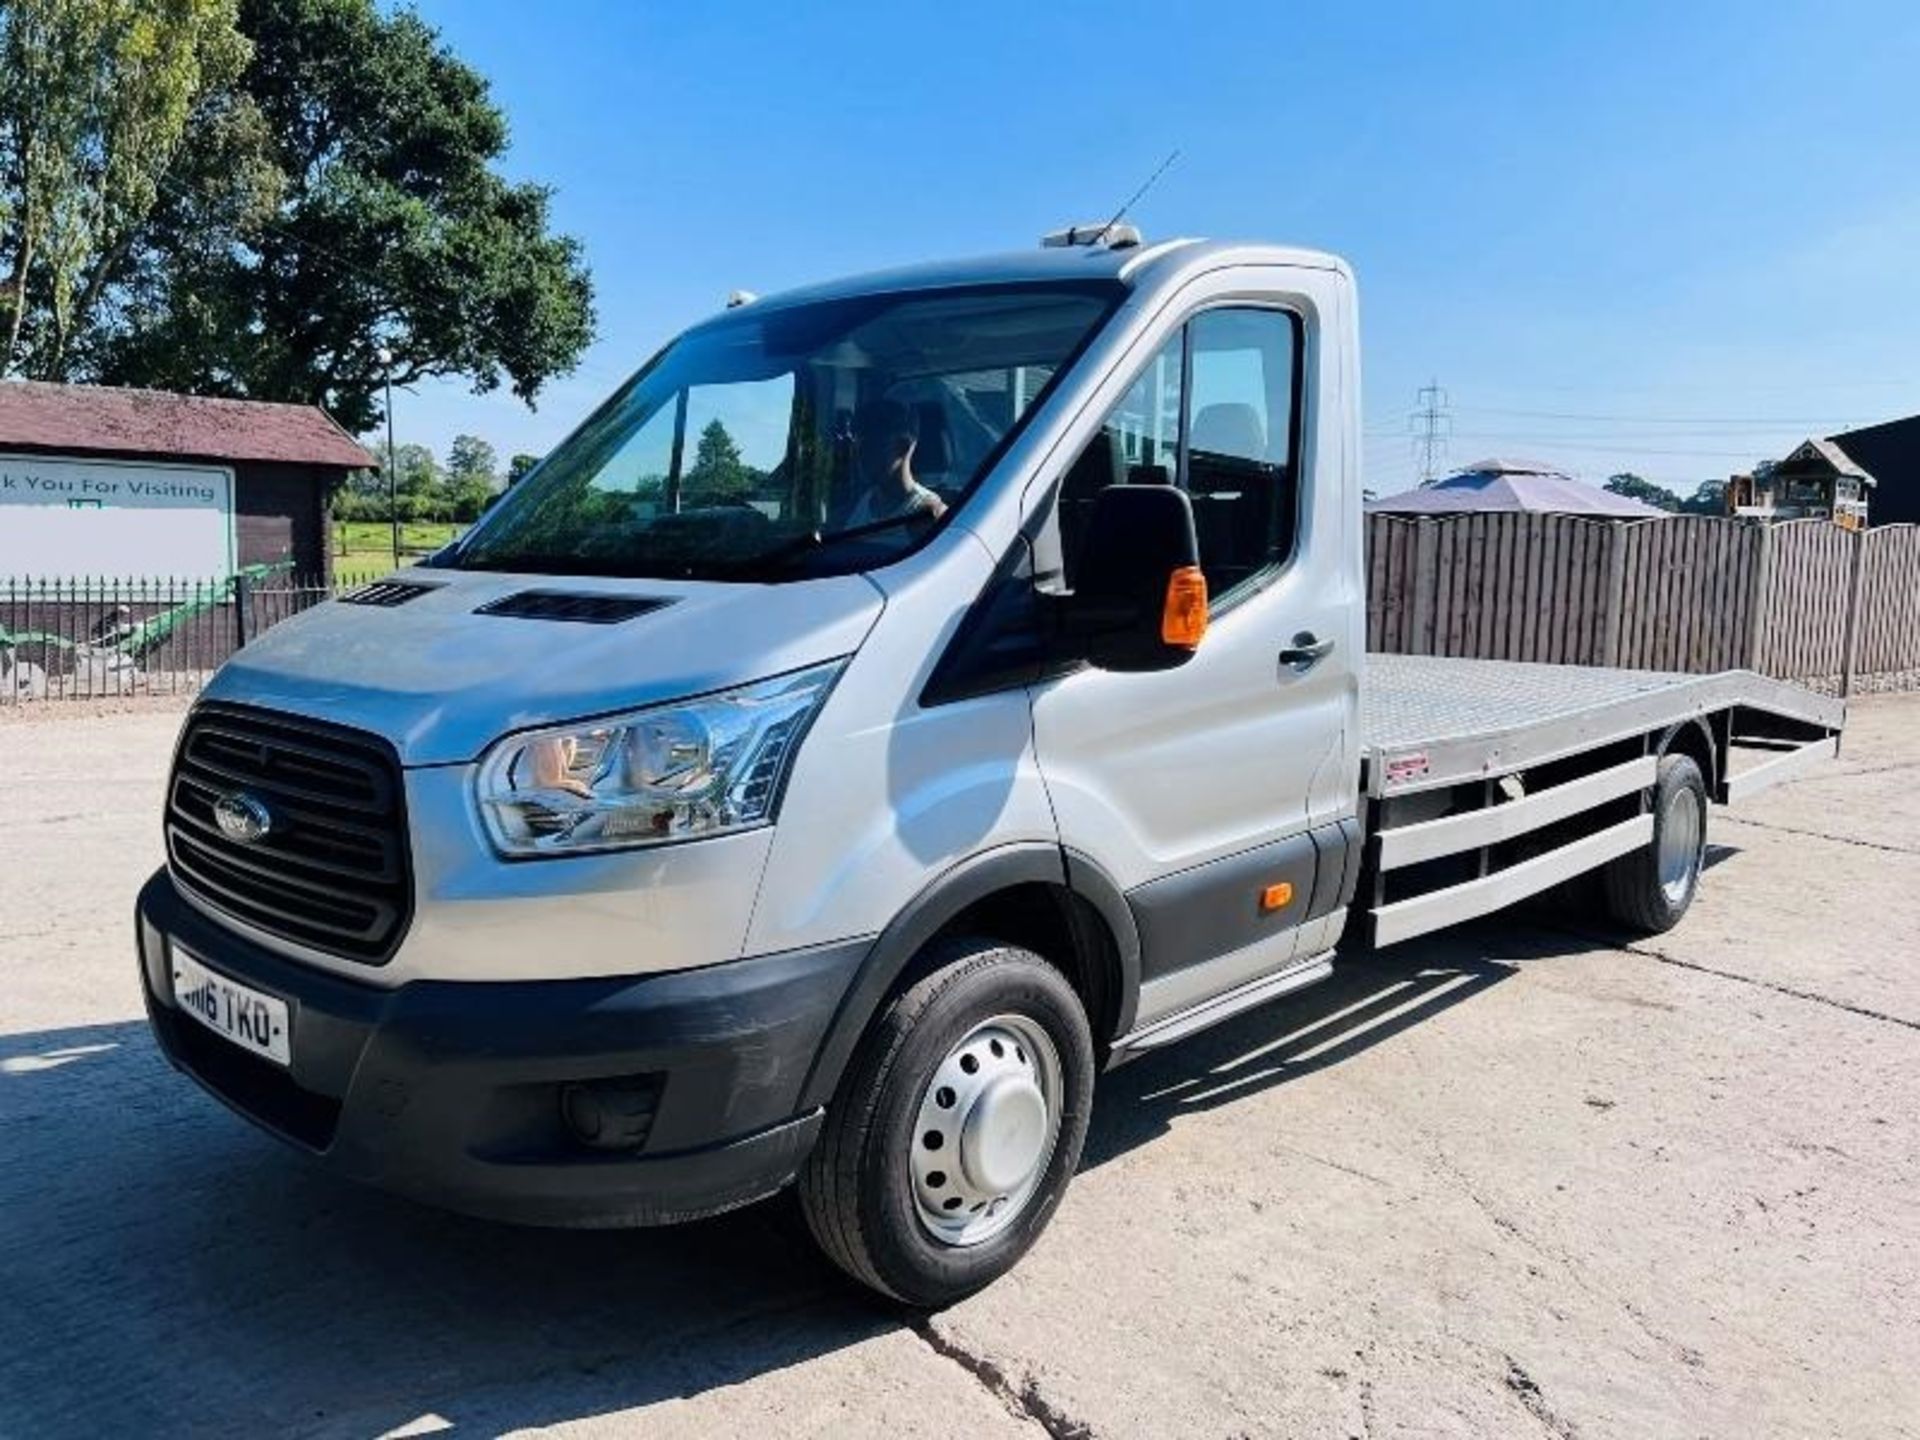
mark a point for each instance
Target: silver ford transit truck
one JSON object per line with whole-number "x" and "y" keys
{"x": 902, "y": 699}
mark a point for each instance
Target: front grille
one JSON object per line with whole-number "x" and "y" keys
{"x": 331, "y": 870}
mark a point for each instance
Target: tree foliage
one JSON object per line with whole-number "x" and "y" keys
{"x": 1646, "y": 491}
{"x": 471, "y": 458}
{"x": 337, "y": 196}
{"x": 95, "y": 102}
{"x": 520, "y": 467}
{"x": 472, "y": 477}
{"x": 424, "y": 488}
{"x": 1709, "y": 498}
{"x": 718, "y": 474}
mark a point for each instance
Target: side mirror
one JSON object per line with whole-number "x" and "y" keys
{"x": 1139, "y": 601}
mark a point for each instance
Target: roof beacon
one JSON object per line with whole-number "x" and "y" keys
{"x": 1110, "y": 234}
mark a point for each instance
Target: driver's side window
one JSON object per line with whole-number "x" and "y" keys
{"x": 1213, "y": 412}
{"x": 1139, "y": 444}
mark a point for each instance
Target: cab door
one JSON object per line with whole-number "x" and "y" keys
{"x": 1212, "y": 794}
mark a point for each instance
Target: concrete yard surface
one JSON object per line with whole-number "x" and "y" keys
{"x": 1524, "y": 1180}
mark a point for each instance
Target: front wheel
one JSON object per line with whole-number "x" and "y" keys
{"x": 1649, "y": 890}
{"x": 956, "y": 1128}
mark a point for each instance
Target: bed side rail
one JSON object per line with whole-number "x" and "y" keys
{"x": 1761, "y": 748}
{"x": 1489, "y": 825}
{"x": 1454, "y": 853}
{"x": 1453, "y": 904}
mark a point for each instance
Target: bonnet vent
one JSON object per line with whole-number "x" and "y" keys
{"x": 386, "y": 593}
{"x": 574, "y": 606}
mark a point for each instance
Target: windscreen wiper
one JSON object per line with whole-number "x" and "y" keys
{"x": 818, "y": 540}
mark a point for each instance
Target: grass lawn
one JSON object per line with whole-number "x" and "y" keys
{"x": 363, "y": 549}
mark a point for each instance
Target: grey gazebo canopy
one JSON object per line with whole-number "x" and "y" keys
{"x": 1512, "y": 485}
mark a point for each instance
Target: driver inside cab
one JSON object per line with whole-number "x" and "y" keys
{"x": 885, "y": 435}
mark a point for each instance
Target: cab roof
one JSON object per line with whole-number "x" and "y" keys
{"x": 1135, "y": 266}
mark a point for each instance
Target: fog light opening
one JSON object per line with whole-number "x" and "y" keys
{"x": 613, "y": 1114}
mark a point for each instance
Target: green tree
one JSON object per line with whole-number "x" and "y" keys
{"x": 95, "y": 102}
{"x": 377, "y": 219}
{"x": 1636, "y": 488}
{"x": 466, "y": 498}
{"x": 418, "y": 483}
{"x": 519, "y": 466}
{"x": 1709, "y": 498}
{"x": 718, "y": 475}
{"x": 472, "y": 478}
{"x": 471, "y": 458}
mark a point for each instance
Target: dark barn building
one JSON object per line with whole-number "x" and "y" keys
{"x": 1891, "y": 454}
{"x": 285, "y": 462}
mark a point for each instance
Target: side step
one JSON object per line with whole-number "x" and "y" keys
{"x": 1297, "y": 976}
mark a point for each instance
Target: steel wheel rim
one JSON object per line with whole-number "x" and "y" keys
{"x": 1681, "y": 834}
{"x": 985, "y": 1130}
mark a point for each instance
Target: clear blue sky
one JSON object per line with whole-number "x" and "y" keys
{"x": 1672, "y": 238}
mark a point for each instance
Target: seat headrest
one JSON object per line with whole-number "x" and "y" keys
{"x": 880, "y": 423}
{"x": 934, "y": 454}
{"x": 1229, "y": 429}
{"x": 1094, "y": 468}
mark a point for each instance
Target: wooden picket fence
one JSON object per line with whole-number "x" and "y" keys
{"x": 1803, "y": 600}
{"x": 1887, "y": 642}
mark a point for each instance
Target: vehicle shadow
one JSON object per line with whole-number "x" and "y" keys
{"x": 169, "y": 1270}
{"x": 1370, "y": 998}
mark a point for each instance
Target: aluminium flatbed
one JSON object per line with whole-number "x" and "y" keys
{"x": 1490, "y": 780}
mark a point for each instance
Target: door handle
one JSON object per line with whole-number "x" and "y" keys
{"x": 1306, "y": 652}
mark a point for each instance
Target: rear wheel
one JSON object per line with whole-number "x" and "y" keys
{"x": 1649, "y": 890}
{"x": 956, "y": 1129}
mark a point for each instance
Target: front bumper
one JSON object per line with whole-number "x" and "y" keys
{"x": 453, "y": 1092}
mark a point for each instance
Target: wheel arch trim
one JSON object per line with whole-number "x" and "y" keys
{"x": 947, "y": 895}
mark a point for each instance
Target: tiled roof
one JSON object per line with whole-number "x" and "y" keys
{"x": 1833, "y": 455}
{"x": 103, "y": 418}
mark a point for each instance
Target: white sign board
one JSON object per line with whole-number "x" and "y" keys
{"x": 63, "y": 519}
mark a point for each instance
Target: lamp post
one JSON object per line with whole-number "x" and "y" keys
{"x": 385, "y": 357}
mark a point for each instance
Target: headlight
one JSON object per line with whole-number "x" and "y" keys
{"x": 670, "y": 772}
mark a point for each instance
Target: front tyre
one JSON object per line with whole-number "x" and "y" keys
{"x": 1648, "y": 890}
{"x": 956, "y": 1128}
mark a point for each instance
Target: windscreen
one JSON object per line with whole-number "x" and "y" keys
{"x": 796, "y": 440}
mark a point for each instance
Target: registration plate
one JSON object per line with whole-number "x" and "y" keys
{"x": 251, "y": 1020}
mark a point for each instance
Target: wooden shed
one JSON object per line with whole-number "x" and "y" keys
{"x": 96, "y": 480}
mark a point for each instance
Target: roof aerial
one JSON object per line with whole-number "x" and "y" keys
{"x": 1112, "y": 234}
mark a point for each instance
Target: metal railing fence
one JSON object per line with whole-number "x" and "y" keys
{"x": 100, "y": 637}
